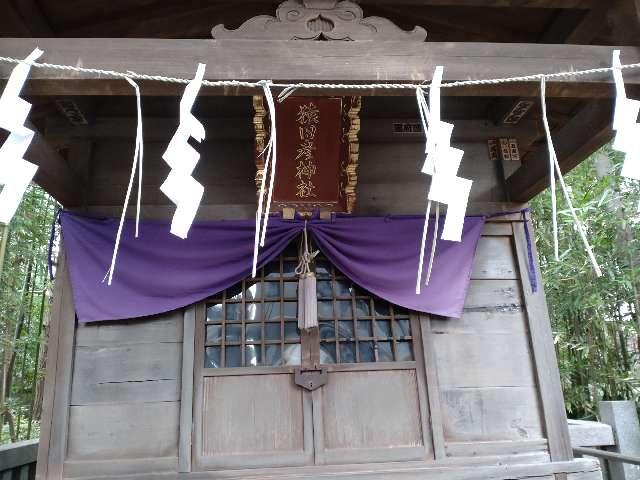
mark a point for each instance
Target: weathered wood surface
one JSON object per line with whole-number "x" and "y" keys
{"x": 544, "y": 355}
{"x": 586, "y": 433}
{"x": 147, "y": 372}
{"x": 253, "y": 421}
{"x": 19, "y": 455}
{"x": 227, "y": 171}
{"x": 508, "y": 469}
{"x": 186, "y": 394}
{"x": 125, "y": 430}
{"x": 286, "y": 61}
{"x": 125, "y": 401}
{"x": 484, "y": 360}
{"x": 583, "y": 134}
{"x": 54, "y": 174}
{"x": 61, "y": 384}
{"x": 357, "y": 414}
{"x": 53, "y": 346}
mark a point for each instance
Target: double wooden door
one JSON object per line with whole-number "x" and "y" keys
{"x": 257, "y": 416}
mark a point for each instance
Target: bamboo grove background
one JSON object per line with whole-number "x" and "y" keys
{"x": 25, "y": 296}
{"x": 595, "y": 320}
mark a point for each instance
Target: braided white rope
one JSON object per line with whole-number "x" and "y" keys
{"x": 293, "y": 86}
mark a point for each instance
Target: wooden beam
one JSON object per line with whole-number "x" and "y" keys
{"x": 492, "y": 3}
{"x": 587, "y": 131}
{"x": 289, "y": 61}
{"x": 32, "y": 17}
{"x": 241, "y": 128}
{"x": 54, "y": 174}
{"x": 155, "y": 128}
{"x": 564, "y": 30}
{"x": 478, "y": 3}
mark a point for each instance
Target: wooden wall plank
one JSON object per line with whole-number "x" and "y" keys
{"x": 124, "y": 431}
{"x": 433, "y": 386}
{"x": 491, "y": 413}
{"x": 357, "y": 414}
{"x": 62, "y": 385}
{"x": 53, "y": 345}
{"x": 494, "y": 259}
{"x": 146, "y": 361}
{"x": 494, "y": 295}
{"x": 505, "y": 447}
{"x": 143, "y": 468}
{"x": 165, "y": 328}
{"x": 484, "y": 360}
{"x": 142, "y": 373}
{"x": 550, "y": 387}
{"x": 186, "y": 398}
{"x": 510, "y": 322}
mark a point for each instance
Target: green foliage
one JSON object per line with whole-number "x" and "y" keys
{"x": 24, "y": 300}
{"x": 595, "y": 320}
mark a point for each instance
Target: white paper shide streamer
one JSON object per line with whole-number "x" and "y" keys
{"x": 181, "y": 188}
{"x": 15, "y": 172}
{"x": 442, "y": 162}
{"x": 262, "y": 214}
{"x": 138, "y": 154}
{"x": 553, "y": 163}
{"x": 625, "y": 124}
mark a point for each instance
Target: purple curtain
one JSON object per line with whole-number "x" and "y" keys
{"x": 159, "y": 272}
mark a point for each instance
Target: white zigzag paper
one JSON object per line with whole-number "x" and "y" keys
{"x": 181, "y": 188}
{"x": 15, "y": 172}
{"x": 442, "y": 163}
{"x": 625, "y": 124}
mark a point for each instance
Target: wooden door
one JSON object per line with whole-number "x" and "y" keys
{"x": 250, "y": 413}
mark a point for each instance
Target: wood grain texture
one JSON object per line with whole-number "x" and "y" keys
{"x": 165, "y": 328}
{"x": 494, "y": 259}
{"x": 53, "y": 345}
{"x": 257, "y": 421}
{"x": 507, "y": 468}
{"x": 432, "y": 386}
{"x": 587, "y": 131}
{"x": 490, "y": 360}
{"x": 511, "y": 322}
{"x": 544, "y": 354}
{"x": 123, "y": 431}
{"x": 62, "y": 386}
{"x": 491, "y": 413}
{"x": 357, "y": 413}
{"x": 186, "y": 394}
{"x": 294, "y": 61}
{"x": 494, "y": 295}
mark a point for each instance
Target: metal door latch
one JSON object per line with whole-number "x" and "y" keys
{"x": 310, "y": 378}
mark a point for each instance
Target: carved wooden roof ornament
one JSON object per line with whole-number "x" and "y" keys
{"x": 319, "y": 20}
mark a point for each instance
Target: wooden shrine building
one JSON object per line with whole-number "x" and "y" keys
{"x": 407, "y": 395}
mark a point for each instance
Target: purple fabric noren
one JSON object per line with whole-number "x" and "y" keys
{"x": 159, "y": 272}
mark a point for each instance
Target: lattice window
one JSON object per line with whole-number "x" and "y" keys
{"x": 356, "y": 326}
{"x": 254, "y": 323}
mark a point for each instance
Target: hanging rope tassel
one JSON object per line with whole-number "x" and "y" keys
{"x": 307, "y": 299}
{"x": 554, "y": 158}
{"x": 269, "y": 153}
{"x": 137, "y": 162}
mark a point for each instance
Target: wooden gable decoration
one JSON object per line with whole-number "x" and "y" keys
{"x": 317, "y": 156}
